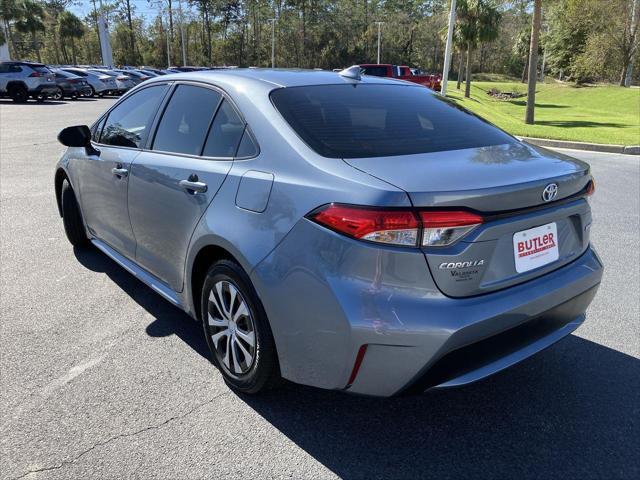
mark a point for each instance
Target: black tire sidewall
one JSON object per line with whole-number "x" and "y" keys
{"x": 72, "y": 217}
{"x": 19, "y": 94}
{"x": 264, "y": 371}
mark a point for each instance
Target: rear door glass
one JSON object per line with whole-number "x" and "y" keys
{"x": 369, "y": 120}
{"x": 225, "y": 134}
{"x": 247, "y": 147}
{"x": 186, "y": 120}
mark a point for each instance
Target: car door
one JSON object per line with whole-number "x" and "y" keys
{"x": 172, "y": 184}
{"x": 103, "y": 179}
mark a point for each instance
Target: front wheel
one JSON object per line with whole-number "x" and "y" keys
{"x": 237, "y": 330}
{"x": 72, "y": 217}
{"x": 57, "y": 95}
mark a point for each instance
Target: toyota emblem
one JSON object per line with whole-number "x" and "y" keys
{"x": 550, "y": 192}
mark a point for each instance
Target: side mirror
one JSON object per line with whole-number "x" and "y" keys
{"x": 77, "y": 136}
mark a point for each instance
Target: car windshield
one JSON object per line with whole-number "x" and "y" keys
{"x": 365, "y": 120}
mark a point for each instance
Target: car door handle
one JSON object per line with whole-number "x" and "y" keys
{"x": 194, "y": 187}
{"x": 120, "y": 172}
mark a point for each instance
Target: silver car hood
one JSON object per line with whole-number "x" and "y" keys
{"x": 494, "y": 178}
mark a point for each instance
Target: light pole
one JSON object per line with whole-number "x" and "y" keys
{"x": 184, "y": 48}
{"x": 273, "y": 42}
{"x": 448, "y": 51}
{"x": 379, "y": 24}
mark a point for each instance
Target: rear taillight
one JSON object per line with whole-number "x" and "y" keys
{"x": 36, "y": 75}
{"x": 404, "y": 227}
{"x": 591, "y": 187}
{"x": 442, "y": 228}
{"x": 397, "y": 227}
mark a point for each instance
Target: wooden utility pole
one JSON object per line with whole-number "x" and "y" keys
{"x": 533, "y": 62}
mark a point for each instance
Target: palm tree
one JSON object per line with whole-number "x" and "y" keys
{"x": 31, "y": 16}
{"x": 478, "y": 21}
{"x": 71, "y": 28}
{"x": 9, "y": 12}
{"x": 533, "y": 62}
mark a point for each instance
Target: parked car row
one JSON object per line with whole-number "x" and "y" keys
{"x": 23, "y": 80}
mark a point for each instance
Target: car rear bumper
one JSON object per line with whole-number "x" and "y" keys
{"x": 44, "y": 90}
{"x": 329, "y": 297}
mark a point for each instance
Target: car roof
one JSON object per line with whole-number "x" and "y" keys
{"x": 273, "y": 77}
{"x": 28, "y": 64}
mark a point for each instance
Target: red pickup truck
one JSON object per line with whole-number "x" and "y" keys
{"x": 401, "y": 72}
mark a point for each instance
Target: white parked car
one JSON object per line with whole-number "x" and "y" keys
{"x": 100, "y": 84}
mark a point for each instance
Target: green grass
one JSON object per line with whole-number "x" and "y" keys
{"x": 595, "y": 114}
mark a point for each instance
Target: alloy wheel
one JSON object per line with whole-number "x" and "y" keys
{"x": 231, "y": 328}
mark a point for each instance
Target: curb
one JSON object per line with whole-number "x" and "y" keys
{"x": 594, "y": 147}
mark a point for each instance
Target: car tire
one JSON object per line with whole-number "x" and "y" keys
{"x": 92, "y": 92}
{"x": 72, "y": 217}
{"x": 57, "y": 95}
{"x": 245, "y": 368}
{"x": 19, "y": 93}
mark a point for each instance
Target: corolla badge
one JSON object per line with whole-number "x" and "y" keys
{"x": 550, "y": 192}
{"x": 452, "y": 265}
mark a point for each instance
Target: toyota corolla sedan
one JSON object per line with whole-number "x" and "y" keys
{"x": 336, "y": 230}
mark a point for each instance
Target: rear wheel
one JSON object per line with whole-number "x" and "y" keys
{"x": 92, "y": 92}
{"x": 71, "y": 217}
{"x": 237, "y": 330}
{"x": 57, "y": 95}
{"x": 19, "y": 93}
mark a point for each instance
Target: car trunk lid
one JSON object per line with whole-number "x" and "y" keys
{"x": 504, "y": 184}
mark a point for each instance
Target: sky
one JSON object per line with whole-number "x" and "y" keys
{"x": 84, "y": 7}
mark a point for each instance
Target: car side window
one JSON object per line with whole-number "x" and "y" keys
{"x": 97, "y": 130}
{"x": 225, "y": 134}
{"x": 247, "y": 147}
{"x": 128, "y": 123}
{"x": 186, "y": 119}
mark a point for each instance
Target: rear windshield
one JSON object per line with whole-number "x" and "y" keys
{"x": 365, "y": 120}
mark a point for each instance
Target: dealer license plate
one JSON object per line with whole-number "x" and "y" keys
{"x": 535, "y": 247}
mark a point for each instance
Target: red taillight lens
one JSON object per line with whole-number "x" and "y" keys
{"x": 442, "y": 228}
{"x": 591, "y": 187}
{"x": 398, "y": 227}
{"x": 36, "y": 74}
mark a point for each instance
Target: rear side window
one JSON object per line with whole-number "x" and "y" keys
{"x": 186, "y": 120}
{"x": 247, "y": 147}
{"x": 40, "y": 69}
{"x": 365, "y": 120}
{"x": 376, "y": 71}
{"x": 80, "y": 73}
{"x": 128, "y": 123}
{"x": 225, "y": 134}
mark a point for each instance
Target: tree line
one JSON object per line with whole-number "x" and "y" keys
{"x": 579, "y": 40}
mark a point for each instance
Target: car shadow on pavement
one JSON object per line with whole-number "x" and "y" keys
{"x": 570, "y": 412}
{"x": 8, "y": 101}
{"x": 168, "y": 320}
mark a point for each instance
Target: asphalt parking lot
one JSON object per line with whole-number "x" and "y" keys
{"x": 102, "y": 378}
